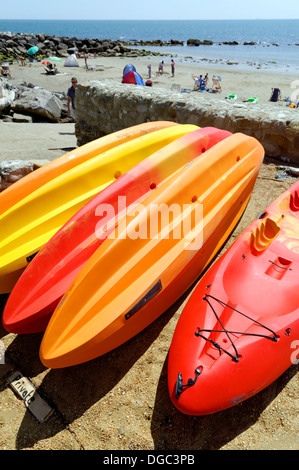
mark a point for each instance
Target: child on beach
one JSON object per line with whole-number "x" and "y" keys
{"x": 149, "y": 70}
{"x": 71, "y": 96}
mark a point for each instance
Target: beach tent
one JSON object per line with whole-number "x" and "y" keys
{"x": 71, "y": 61}
{"x": 133, "y": 77}
{"x": 129, "y": 68}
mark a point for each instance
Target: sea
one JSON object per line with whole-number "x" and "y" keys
{"x": 276, "y": 45}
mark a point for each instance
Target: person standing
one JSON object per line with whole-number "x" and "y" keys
{"x": 85, "y": 60}
{"x": 206, "y": 79}
{"x": 172, "y": 67}
{"x": 71, "y": 96}
{"x": 161, "y": 67}
{"x": 149, "y": 70}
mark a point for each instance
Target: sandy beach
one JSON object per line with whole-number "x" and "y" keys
{"x": 246, "y": 83}
{"x": 121, "y": 400}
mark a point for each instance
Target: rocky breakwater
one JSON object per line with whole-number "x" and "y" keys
{"x": 105, "y": 107}
{"x": 13, "y": 45}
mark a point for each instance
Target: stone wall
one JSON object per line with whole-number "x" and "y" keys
{"x": 104, "y": 107}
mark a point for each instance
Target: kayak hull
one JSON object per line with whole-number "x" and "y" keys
{"x": 236, "y": 333}
{"x": 150, "y": 261}
{"x": 49, "y": 274}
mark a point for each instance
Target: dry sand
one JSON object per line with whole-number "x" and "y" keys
{"x": 245, "y": 83}
{"x": 121, "y": 400}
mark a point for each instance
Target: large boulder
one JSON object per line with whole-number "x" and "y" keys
{"x": 7, "y": 94}
{"x": 39, "y": 102}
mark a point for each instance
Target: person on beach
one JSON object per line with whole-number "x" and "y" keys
{"x": 85, "y": 60}
{"x": 276, "y": 95}
{"x": 5, "y": 71}
{"x": 161, "y": 67}
{"x": 149, "y": 71}
{"x": 51, "y": 69}
{"x": 71, "y": 96}
{"x": 172, "y": 67}
{"x": 206, "y": 79}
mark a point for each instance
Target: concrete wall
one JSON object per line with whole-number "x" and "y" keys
{"x": 104, "y": 107}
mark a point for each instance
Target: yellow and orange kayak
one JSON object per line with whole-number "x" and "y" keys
{"x": 46, "y": 279}
{"x": 30, "y": 223}
{"x": 157, "y": 251}
{"x": 46, "y": 173}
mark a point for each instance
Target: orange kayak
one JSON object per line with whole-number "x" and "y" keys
{"x": 17, "y": 191}
{"x": 156, "y": 252}
{"x": 239, "y": 330}
{"x": 49, "y": 274}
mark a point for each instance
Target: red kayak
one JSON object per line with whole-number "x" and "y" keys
{"x": 240, "y": 328}
{"x": 50, "y": 273}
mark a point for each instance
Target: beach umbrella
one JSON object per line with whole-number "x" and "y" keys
{"x": 32, "y": 50}
{"x": 133, "y": 78}
{"x": 55, "y": 59}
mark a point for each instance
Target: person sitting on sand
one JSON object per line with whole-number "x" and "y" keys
{"x": 51, "y": 69}
{"x": 276, "y": 95}
{"x": 5, "y": 71}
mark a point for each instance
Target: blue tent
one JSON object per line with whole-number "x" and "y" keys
{"x": 133, "y": 77}
{"x": 129, "y": 68}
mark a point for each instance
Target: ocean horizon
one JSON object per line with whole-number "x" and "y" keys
{"x": 282, "y": 32}
{"x": 276, "y": 41}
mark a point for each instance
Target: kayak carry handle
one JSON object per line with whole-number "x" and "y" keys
{"x": 180, "y": 387}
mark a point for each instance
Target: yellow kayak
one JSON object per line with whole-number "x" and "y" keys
{"x": 39, "y": 177}
{"x": 27, "y": 226}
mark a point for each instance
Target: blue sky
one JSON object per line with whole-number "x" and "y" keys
{"x": 152, "y": 9}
